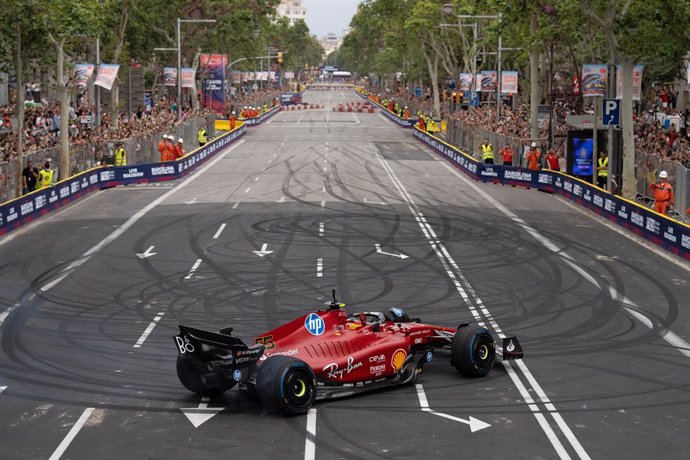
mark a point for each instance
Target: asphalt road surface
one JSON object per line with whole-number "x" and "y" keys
{"x": 87, "y": 365}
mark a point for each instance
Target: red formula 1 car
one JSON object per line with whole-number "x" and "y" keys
{"x": 328, "y": 353}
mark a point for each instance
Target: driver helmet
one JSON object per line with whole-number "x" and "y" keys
{"x": 398, "y": 315}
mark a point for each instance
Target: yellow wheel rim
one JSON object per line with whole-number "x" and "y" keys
{"x": 300, "y": 388}
{"x": 483, "y": 352}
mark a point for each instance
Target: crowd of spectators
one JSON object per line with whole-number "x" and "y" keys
{"x": 42, "y": 122}
{"x": 659, "y": 127}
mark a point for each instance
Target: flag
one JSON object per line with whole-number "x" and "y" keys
{"x": 594, "y": 79}
{"x": 107, "y": 73}
{"x": 465, "y": 82}
{"x": 509, "y": 82}
{"x": 188, "y": 77}
{"x": 170, "y": 76}
{"x": 489, "y": 80}
{"x": 82, "y": 74}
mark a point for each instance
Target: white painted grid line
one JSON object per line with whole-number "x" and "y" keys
{"x": 310, "y": 443}
{"x": 234, "y": 206}
{"x": 72, "y": 434}
{"x": 256, "y": 179}
{"x": 194, "y": 267}
{"x": 469, "y": 294}
{"x": 134, "y": 219}
{"x": 323, "y": 203}
{"x": 148, "y": 330}
{"x": 220, "y": 230}
{"x": 321, "y": 229}
{"x": 319, "y": 267}
{"x": 248, "y": 190}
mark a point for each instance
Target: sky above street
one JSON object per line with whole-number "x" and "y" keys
{"x": 324, "y": 16}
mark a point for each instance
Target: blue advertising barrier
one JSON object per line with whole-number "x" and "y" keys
{"x": 664, "y": 232}
{"x": 25, "y": 209}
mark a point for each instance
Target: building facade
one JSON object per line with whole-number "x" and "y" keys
{"x": 294, "y": 10}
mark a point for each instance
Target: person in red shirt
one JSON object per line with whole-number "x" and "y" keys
{"x": 161, "y": 147}
{"x": 179, "y": 153}
{"x": 169, "y": 150}
{"x": 552, "y": 161}
{"x": 507, "y": 153}
{"x": 233, "y": 120}
{"x": 533, "y": 155}
{"x": 663, "y": 193}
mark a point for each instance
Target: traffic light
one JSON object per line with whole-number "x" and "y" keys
{"x": 280, "y": 57}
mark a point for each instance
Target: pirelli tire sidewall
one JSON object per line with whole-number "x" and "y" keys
{"x": 286, "y": 384}
{"x": 473, "y": 351}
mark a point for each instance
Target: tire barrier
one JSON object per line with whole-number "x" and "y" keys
{"x": 303, "y": 106}
{"x": 359, "y": 107}
{"x": 667, "y": 233}
{"x": 27, "y": 208}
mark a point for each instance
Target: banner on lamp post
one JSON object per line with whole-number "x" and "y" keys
{"x": 82, "y": 74}
{"x": 465, "y": 82}
{"x": 169, "y": 76}
{"x": 188, "y": 77}
{"x": 107, "y": 73}
{"x": 489, "y": 80}
{"x": 509, "y": 82}
{"x": 594, "y": 80}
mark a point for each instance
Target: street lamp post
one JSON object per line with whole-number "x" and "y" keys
{"x": 179, "y": 61}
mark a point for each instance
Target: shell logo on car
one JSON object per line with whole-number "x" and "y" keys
{"x": 398, "y": 358}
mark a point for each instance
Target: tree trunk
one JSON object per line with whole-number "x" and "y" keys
{"x": 433, "y": 74}
{"x": 18, "y": 68}
{"x": 629, "y": 160}
{"x": 534, "y": 82}
{"x": 63, "y": 161}
{"x": 115, "y": 92}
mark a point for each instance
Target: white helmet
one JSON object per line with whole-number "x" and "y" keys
{"x": 534, "y": 144}
{"x": 165, "y": 136}
{"x": 663, "y": 175}
{"x": 180, "y": 140}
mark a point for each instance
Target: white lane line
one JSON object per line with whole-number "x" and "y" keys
{"x": 3, "y": 388}
{"x": 681, "y": 345}
{"x": 72, "y": 434}
{"x": 354, "y": 115}
{"x": 323, "y": 203}
{"x": 257, "y": 179}
{"x": 248, "y": 190}
{"x": 220, "y": 230}
{"x": 423, "y": 402}
{"x": 134, "y": 219}
{"x": 310, "y": 443}
{"x": 193, "y": 269}
{"x": 468, "y": 294}
{"x": 321, "y": 229}
{"x": 234, "y": 206}
{"x": 148, "y": 330}
{"x": 319, "y": 267}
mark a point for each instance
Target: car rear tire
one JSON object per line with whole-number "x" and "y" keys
{"x": 473, "y": 351}
{"x": 286, "y": 384}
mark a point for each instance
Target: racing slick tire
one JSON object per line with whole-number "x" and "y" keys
{"x": 286, "y": 384}
{"x": 473, "y": 351}
{"x": 196, "y": 381}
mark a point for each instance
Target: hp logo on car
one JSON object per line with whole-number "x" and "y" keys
{"x": 314, "y": 324}
{"x": 237, "y": 375}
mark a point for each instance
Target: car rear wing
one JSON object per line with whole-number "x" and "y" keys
{"x": 216, "y": 349}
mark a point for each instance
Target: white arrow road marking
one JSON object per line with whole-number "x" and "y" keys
{"x": 323, "y": 203}
{"x": 72, "y": 434}
{"x": 378, "y": 249}
{"x": 475, "y": 424}
{"x": 192, "y": 201}
{"x": 220, "y": 230}
{"x": 310, "y": 445}
{"x": 263, "y": 251}
{"x": 148, "y": 330}
{"x": 202, "y": 413}
{"x": 281, "y": 200}
{"x": 3, "y": 388}
{"x": 193, "y": 269}
{"x": 147, "y": 253}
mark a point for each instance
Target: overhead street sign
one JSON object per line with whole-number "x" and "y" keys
{"x": 611, "y": 112}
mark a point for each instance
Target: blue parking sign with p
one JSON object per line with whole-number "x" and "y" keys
{"x": 611, "y": 115}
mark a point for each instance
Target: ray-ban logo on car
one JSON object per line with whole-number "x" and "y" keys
{"x": 314, "y": 324}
